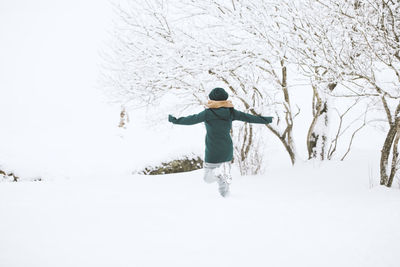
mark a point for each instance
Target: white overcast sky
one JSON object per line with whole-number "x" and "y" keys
{"x": 49, "y": 55}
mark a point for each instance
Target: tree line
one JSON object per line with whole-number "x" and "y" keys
{"x": 347, "y": 52}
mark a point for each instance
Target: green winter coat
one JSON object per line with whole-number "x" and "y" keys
{"x": 218, "y": 123}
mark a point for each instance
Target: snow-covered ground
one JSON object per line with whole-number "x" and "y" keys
{"x": 90, "y": 210}
{"x": 311, "y": 215}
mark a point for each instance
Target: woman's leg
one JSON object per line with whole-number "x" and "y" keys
{"x": 209, "y": 172}
{"x": 227, "y": 166}
{"x": 218, "y": 172}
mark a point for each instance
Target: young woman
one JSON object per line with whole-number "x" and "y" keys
{"x": 218, "y": 119}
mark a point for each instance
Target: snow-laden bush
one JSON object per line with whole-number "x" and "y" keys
{"x": 8, "y": 176}
{"x": 183, "y": 164}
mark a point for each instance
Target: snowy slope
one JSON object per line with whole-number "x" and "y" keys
{"x": 324, "y": 215}
{"x": 89, "y": 210}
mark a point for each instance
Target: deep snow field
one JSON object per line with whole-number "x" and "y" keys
{"x": 310, "y": 215}
{"x": 90, "y": 210}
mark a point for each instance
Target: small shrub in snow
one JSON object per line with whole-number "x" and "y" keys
{"x": 8, "y": 177}
{"x": 188, "y": 163}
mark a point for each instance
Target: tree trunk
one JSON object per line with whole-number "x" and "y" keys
{"x": 317, "y": 139}
{"x": 286, "y": 142}
{"x": 287, "y": 136}
{"x": 391, "y": 141}
{"x": 385, "y": 152}
{"x": 395, "y": 155}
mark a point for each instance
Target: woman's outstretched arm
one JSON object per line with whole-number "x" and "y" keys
{"x": 189, "y": 120}
{"x": 241, "y": 116}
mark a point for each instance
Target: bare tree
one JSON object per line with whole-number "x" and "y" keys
{"x": 253, "y": 61}
{"x": 166, "y": 47}
{"x": 230, "y": 42}
{"x": 356, "y": 44}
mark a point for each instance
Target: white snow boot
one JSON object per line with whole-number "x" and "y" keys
{"x": 223, "y": 185}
